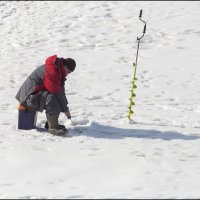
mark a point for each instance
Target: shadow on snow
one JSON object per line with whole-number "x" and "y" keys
{"x": 108, "y": 132}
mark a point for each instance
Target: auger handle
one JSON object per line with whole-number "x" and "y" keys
{"x": 144, "y": 30}
{"x": 140, "y": 13}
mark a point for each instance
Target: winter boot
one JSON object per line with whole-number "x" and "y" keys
{"x": 60, "y": 126}
{"x": 53, "y": 125}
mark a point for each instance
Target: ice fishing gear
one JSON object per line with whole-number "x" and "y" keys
{"x": 133, "y": 85}
{"x": 27, "y": 118}
{"x": 73, "y": 123}
{"x": 70, "y": 118}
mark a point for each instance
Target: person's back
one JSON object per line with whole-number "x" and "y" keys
{"x": 33, "y": 80}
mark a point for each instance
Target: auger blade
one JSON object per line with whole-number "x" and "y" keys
{"x": 133, "y": 95}
{"x": 132, "y": 103}
{"x": 134, "y": 86}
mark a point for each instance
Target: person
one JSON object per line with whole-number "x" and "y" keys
{"x": 44, "y": 89}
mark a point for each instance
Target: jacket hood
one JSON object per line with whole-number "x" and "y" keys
{"x": 51, "y": 60}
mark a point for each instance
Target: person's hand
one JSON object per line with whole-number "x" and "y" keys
{"x": 68, "y": 115}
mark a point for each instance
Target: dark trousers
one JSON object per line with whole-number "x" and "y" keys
{"x": 52, "y": 106}
{"x": 44, "y": 101}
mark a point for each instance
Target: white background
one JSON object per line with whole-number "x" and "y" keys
{"x": 154, "y": 156}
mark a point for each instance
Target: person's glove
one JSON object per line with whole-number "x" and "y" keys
{"x": 68, "y": 115}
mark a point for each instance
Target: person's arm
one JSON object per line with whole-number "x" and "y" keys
{"x": 62, "y": 101}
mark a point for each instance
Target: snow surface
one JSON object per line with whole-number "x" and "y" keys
{"x": 156, "y": 155}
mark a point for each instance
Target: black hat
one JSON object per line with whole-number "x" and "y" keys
{"x": 70, "y": 64}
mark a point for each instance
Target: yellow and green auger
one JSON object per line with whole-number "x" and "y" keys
{"x": 133, "y": 85}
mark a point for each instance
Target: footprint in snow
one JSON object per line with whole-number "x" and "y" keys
{"x": 94, "y": 98}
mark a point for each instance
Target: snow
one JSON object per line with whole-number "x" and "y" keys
{"x": 106, "y": 156}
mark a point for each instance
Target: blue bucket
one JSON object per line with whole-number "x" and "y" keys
{"x": 27, "y": 119}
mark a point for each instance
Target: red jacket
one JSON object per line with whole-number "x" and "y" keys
{"x": 54, "y": 75}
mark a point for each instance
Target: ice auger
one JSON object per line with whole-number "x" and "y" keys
{"x": 133, "y": 85}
